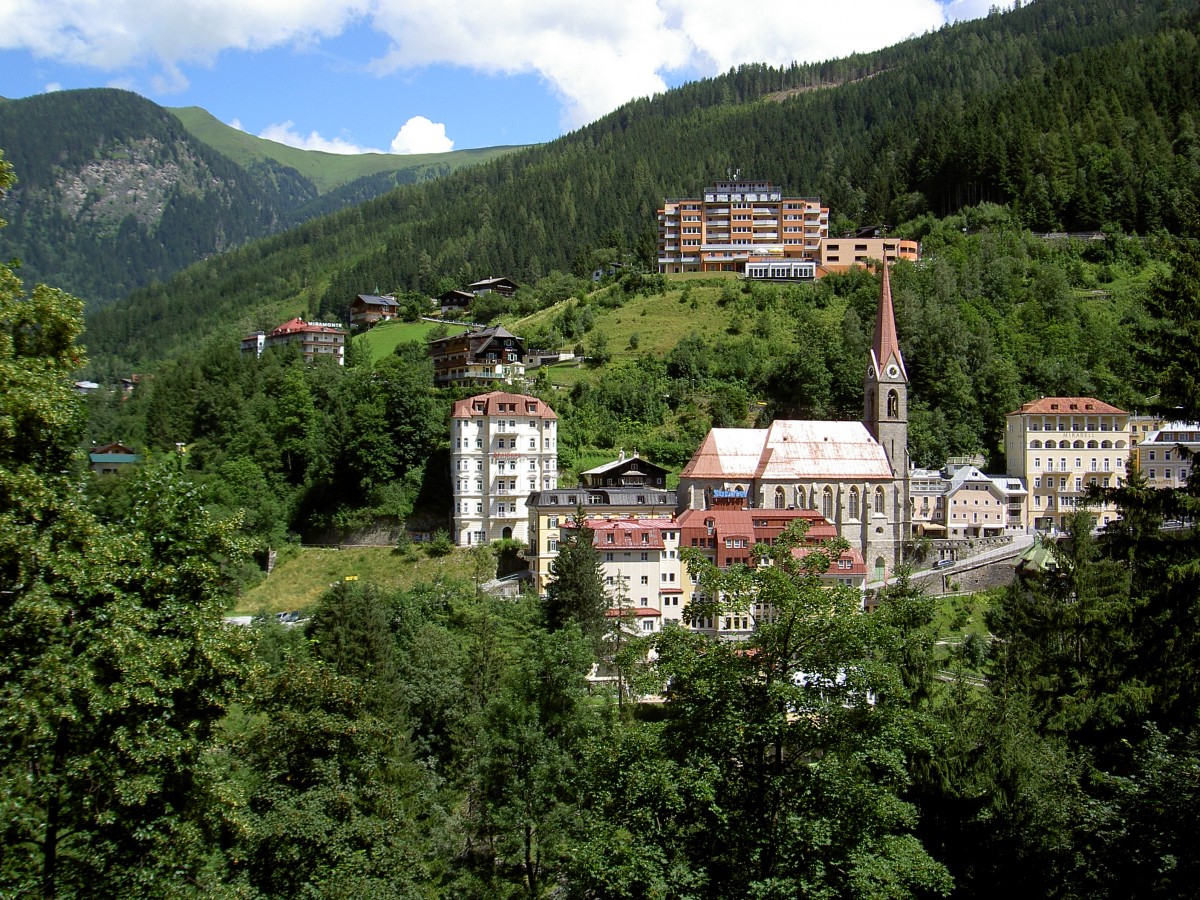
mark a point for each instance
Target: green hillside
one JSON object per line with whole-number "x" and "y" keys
{"x": 1053, "y": 109}
{"x": 325, "y": 170}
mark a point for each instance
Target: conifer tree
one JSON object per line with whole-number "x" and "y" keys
{"x": 576, "y": 593}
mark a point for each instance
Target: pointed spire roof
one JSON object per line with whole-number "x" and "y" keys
{"x": 885, "y": 345}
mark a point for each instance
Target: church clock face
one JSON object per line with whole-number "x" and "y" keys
{"x": 892, "y": 371}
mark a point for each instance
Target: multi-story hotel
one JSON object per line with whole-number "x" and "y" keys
{"x": 316, "y": 340}
{"x": 1060, "y": 446}
{"x": 503, "y": 448}
{"x": 735, "y": 220}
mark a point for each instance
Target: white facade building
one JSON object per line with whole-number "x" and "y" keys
{"x": 503, "y": 447}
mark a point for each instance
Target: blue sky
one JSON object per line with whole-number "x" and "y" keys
{"x": 426, "y": 75}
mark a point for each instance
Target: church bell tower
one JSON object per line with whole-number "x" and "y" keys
{"x": 885, "y": 409}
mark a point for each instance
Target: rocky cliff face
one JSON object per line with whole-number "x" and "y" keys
{"x": 113, "y": 193}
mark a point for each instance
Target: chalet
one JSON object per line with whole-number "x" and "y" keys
{"x": 454, "y": 301}
{"x": 627, "y": 472}
{"x": 111, "y": 459}
{"x": 480, "y": 355}
{"x": 367, "y": 310}
{"x": 506, "y": 287}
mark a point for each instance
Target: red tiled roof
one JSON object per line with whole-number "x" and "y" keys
{"x": 299, "y": 326}
{"x": 629, "y": 533}
{"x": 640, "y": 611}
{"x": 493, "y": 401}
{"x": 1069, "y": 406}
{"x": 858, "y": 565}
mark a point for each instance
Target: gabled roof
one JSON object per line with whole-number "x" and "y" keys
{"x": 790, "y": 449}
{"x": 377, "y": 300}
{"x": 487, "y": 283}
{"x": 645, "y": 465}
{"x": 858, "y": 565}
{"x": 1068, "y": 406}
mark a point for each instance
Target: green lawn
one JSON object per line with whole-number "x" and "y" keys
{"x": 383, "y": 339}
{"x": 303, "y": 574}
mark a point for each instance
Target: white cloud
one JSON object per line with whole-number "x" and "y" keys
{"x": 52, "y": 87}
{"x": 594, "y": 56}
{"x": 285, "y": 133}
{"x": 419, "y": 135}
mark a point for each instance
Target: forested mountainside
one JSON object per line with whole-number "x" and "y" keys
{"x": 116, "y": 193}
{"x": 1080, "y": 115}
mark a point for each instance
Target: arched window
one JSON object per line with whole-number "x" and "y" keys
{"x": 801, "y": 499}
{"x": 1120, "y": 445}
{"x": 780, "y": 498}
{"x": 1106, "y": 445}
{"x": 827, "y": 504}
{"x": 879, "y": 501}
{"x": 1092, "y": 445}
{"x": 1051, "y": 445}
{"x": 855, "y": 503}
{"x": 1035, "y": 445}
{"x": 1078, "y": 445}
{"x": 506, "y": 533}
{"x": 893, "y": 405}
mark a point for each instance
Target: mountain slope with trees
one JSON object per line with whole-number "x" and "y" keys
{"x": 115, "y": 193}
{"x": 1024, "y": 108}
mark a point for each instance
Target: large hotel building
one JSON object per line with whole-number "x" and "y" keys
{"x": 735, "y": 220}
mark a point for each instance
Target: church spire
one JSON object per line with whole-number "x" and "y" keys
{"x": 885, "y": 345}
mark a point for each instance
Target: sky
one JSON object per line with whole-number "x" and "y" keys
{"x": 427, "y": 76}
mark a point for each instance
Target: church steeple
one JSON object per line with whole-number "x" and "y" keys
{"x": 885, "y": 387}
{"x": 885, "y": 347}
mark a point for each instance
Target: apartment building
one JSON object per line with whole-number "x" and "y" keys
{"x": 1059, "y": 447}
{"x": 1164, "y": 455}
{"x": 641, "y": 568}
{"x": 503, "y": 447}
{"x": 736, "y": 220}
{"x": 961, "y": 502}
{"x": 626, "y": 488}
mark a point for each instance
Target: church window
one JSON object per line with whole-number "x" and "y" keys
{"x": 879, "y": 501}
{"x": 893, "y": 405}
{"x": 827, "y": 503}
{"x": 780, "y": 498}
{"x": 855, "y": 509}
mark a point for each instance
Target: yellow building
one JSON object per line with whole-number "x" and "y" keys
{"x": 734, "y": 220}
{"x": 842, "y": 254}
{"x": 1060, "y": 446}
{"x": 626, "y": 488}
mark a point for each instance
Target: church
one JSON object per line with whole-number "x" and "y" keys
{"x": 855, "y": 474}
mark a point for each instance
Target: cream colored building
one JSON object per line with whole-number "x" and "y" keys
{"x": 1165, "y": 455}
{"x": 503, "y": 447}
{"x": 1059, "y": 446}
{"x": 626, "y": 488}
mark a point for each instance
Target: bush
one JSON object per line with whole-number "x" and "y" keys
{"x": 441, "y": 545}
